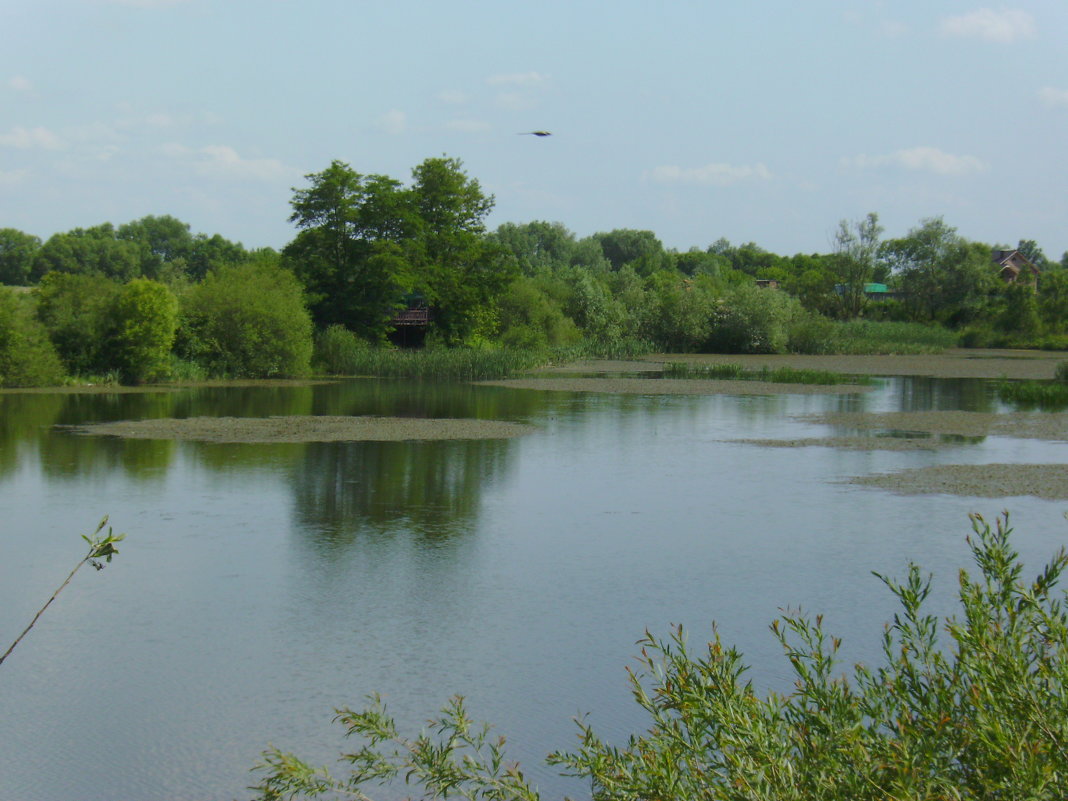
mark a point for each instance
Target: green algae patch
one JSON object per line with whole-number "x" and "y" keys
{"x": 308, "y": 429}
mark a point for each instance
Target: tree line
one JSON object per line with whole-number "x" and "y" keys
{"x": 150, "y": 300}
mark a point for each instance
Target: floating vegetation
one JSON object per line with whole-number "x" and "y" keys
{"x": 776, "y": 375}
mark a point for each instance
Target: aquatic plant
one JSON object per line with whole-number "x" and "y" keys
{"x": 983, "y": 715}
{"x": 1047, "y": 395}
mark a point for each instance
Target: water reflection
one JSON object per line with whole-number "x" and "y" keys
{"x": 344, "y": 489}
{"x": 922, "y": 393}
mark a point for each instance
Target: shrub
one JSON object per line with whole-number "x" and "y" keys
{"x": 530, "y": 318}
{"x": 982, "y": 717}
{"x": 146, "y": 319}
{"x": 753, "y": 320}
{"x": 338, "y": 351}
{"x": 248, "y": 320}
{"x": 27, "y": 357}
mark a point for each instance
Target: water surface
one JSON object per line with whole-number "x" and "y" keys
{"x": 263, "y": 585}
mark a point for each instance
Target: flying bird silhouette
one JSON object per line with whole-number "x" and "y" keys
{"x": 536, "y": 133}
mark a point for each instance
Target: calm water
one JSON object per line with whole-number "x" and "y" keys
{"x": 262, "y": 586}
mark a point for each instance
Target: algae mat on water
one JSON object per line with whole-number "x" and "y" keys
{"x": 308, "y": 429}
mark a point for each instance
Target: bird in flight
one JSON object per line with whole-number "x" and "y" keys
{"x": 536, "y": 133}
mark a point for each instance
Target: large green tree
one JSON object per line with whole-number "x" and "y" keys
{"x": 460, "y": 269}
{"x": 97, "y": 250}
{"x": 17, "y": 251}
{"x": 351, "y": 253}
{"x": 941, "y": 275}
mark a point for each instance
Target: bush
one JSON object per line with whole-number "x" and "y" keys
{"x": 984, "y": 718}
{"x": 753, "y": 320}
{"x": 27, "y": 357}
{"x": 338, "y": 351}
{"x": 146, "y": 319}
{"x": 530, "y": 318}
{"x": 248, "y": 321}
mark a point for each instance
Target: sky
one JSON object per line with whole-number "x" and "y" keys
{"x": 765, "y": 121}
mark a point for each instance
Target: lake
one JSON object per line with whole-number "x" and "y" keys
{"x": 263, "y": 585}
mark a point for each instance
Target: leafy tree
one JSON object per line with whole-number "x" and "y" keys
{"x": 462, "y": 271}
{"x": 982, "y": 716}
{"x": 77, "y": 310}
{"x": 96, "y": 250}
{"x": 247, "y": 320}
{"x": 162, "y": 240}
{"x": 27, "y": 357}
{"x": 624, "y": 246}
{"x": 855, "y": 247}
{"x": 1030, "y": 249}
{"x": 17, "y": 251}
{"x": 350, "y": 252}
{"x": 1053, "y": 300}
{"x": 146, "y": 320}
{"x": 1019, "y": 314}
{"x": 537, "y": 246}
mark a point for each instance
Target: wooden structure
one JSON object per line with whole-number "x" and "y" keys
{"x": 1014, "y": 266}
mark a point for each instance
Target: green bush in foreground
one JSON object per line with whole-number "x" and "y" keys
{"x": 983, "y": 715}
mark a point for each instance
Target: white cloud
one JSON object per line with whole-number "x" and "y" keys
{"x": 216, "y": 160}
{"x": 1007, "y": 25}
{"x": 467, "y": 126}
{"x": 19, "y": 83}
{"x": 453, "y": 97}
{"x": 892, "y": 28}
{"x": 147, "y": 3}
{"x": 1054, "y": 97}
{"x": 31, "y": 138}
{"x": 518, "y": 79}
{"x": 393, "y": 122}
{"x": 12, "y": 177}
{"x": 709, "y": 174}
{"x": 923, "y": 158}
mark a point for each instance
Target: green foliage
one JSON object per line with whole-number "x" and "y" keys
{"x": 89, "y": 251}
{"x": 779, "y": 375}
{"x": 247, "y": 320}
{"x": 146, "y": 320}
{"x": 753, "y": 320}
{"x": 77, "y": 311}
{"x": 680, "y": 314}
{"x": 531, "y": 318}
{"x": 17, "y": 252}
{"x": 855, "y": 248}
{"x": 1019, "y": 312}
{"x": 1049, "y": 396}
{"x": 639, "y": 249}
{"x": 338, "y": 351}
{"x": 982, "y": 716}
{"x": 349, "y": 253}
{"x": 27, "y": 357}
{"x": 820, "y": 336}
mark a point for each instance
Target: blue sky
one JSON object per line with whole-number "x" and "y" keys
{"x": 760, "y": 121}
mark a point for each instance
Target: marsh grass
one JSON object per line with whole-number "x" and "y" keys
{"x": 1044, "y": 395}
{"x": 778, "y": 375}
{"x": 865, "y": 336}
